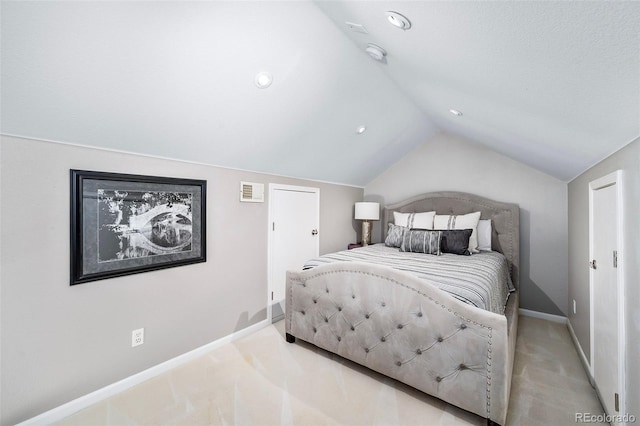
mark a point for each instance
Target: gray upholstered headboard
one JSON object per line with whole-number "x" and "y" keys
{"x": 505, "y": 219}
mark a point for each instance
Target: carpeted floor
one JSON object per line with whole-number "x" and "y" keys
{"x": 262, "y": 380}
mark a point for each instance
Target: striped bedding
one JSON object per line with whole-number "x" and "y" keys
{"x": 481, "y": 280}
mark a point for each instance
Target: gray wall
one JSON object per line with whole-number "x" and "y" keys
{"x": 628, "y": 160}
{"x": 61, "y": 342}
{"x": 448, "y": 163}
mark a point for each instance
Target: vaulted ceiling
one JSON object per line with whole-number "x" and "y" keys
{"x": 555, "y": 85}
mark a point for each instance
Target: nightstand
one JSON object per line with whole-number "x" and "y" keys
{"x": 354, "y": 245}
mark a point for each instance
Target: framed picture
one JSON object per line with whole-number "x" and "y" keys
{"x": 125, "y": 224}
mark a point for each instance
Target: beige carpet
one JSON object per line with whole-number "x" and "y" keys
{"x": 262, "y": 380}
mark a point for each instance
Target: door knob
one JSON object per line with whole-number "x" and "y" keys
{"x": 592, "y": 264}
{"x": 314, "y": 232}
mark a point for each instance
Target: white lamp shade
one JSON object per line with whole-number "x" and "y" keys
{"x": 367, "y": 211}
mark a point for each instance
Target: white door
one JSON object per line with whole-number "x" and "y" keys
{"x": 606, "y": 321}
{"x": 294, "y": 236}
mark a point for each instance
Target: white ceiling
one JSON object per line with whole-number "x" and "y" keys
{"x": 555, "y": 85}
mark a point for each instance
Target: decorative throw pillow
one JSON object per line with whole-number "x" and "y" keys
{"x": 421, "y": 241}
{"x": 484, "y": 235}
{"x": 465, "y": 221}
{"x": 394, "y": 235}
{"x": 422, "y": 220}
{"x": 456, "y": 241}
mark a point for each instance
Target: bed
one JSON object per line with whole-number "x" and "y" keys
{"x": 409, "y": 327}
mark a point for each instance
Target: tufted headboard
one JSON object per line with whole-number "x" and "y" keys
{"x": 505, "y": 219}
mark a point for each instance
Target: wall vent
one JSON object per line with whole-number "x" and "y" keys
{"x": 251, "y": 192}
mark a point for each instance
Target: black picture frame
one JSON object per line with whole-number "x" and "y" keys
{"x": 123, "y": 224}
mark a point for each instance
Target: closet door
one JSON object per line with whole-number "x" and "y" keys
{"x": 607, "y": 302}
{"x": 294, "y": 237}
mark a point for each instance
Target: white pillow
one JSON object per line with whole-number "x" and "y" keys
{"x": 465, "y": 221}
{"x": 484, "y": 235}
{"x": 422, "y": 220}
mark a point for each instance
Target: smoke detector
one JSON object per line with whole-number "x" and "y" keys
{"x": 376, "y": 52}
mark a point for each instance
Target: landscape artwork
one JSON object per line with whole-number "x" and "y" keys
{"x": 141, "y": 224}
{"x": 123, "y": 224}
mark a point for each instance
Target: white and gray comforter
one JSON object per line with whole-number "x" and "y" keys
{"x": 481, "y": 280}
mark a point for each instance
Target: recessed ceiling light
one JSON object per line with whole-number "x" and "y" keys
{"x": 376, "y": 52}
{"x": 398, "y": 20}
{"x": 263, "y": 80}
{"x": 455, "y": 112}
{"x": 361, "y": 129}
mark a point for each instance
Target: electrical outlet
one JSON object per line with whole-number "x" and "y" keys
{"x": 574, "y": 306}
{"x": 137, "y": 337}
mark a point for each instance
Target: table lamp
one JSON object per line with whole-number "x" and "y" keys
{"x": 366, "y": 212}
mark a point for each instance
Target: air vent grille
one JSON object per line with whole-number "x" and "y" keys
{"x": 251, "y": 192}
{"x": 247, "y": 192}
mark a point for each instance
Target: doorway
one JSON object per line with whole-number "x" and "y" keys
{"x": 294, "y": 217}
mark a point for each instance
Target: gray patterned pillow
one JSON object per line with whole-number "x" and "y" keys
{"x": 422, "y": 241}
{"x": 394, "y": 235}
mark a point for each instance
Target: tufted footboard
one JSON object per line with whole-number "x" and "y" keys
{"x": 403, "y": 327}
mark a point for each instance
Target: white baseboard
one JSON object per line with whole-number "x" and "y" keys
{"x": 71, "y": 407}
{"x": 542, "y": 315}
{"x": 583, "y": 357}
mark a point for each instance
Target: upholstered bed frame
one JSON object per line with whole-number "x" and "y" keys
{"x": 403, "y": 327}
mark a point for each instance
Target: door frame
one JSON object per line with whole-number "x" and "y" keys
{"x": 280, "y": 187}
{"x": 611, "y": 179}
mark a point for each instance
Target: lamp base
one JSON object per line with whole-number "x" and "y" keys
{"x": 366, "y": 233}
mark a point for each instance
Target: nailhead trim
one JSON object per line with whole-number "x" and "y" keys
{"x": 490, "y": 337}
